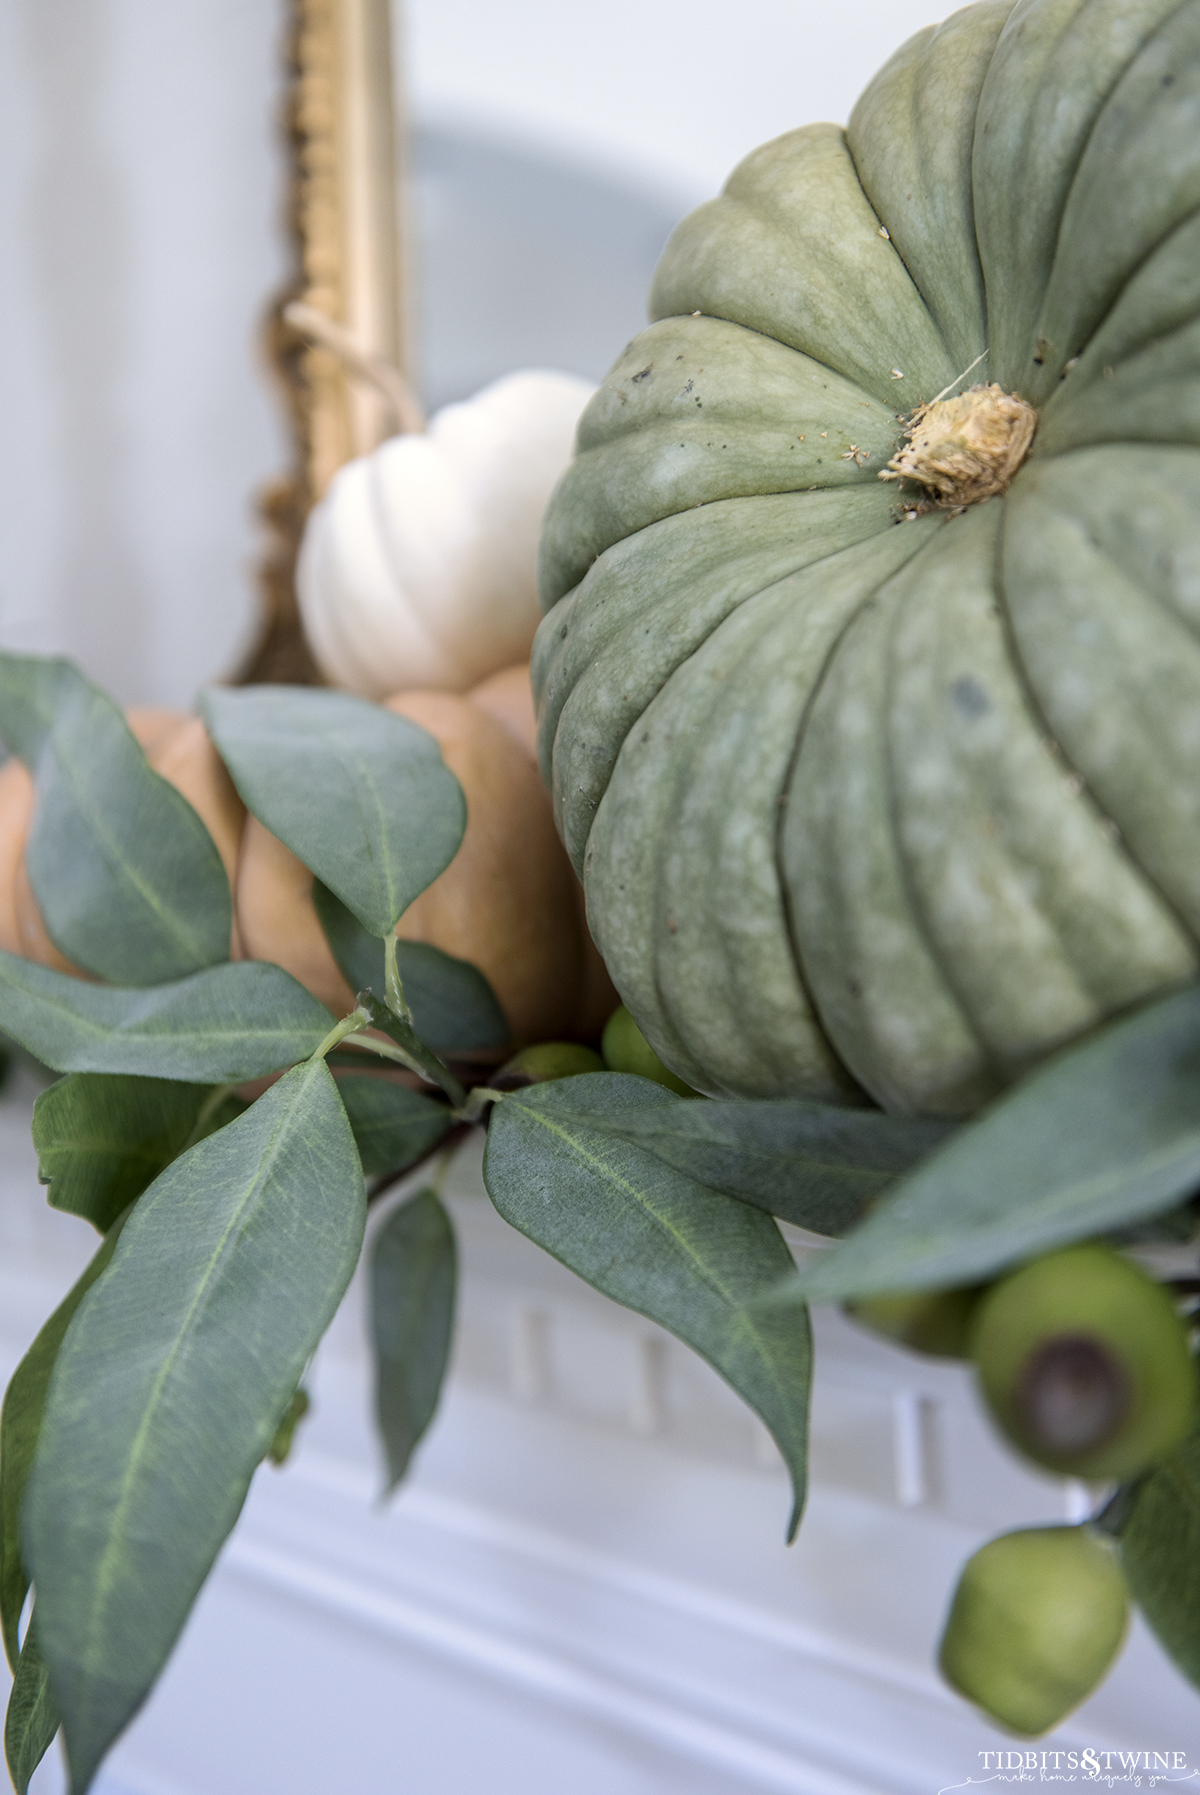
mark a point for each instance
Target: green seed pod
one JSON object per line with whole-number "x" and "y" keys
{"x": 280, "y": 1448}
{"x": 1036, "y": 1621}
{"x": 936, "y": 1322}
{"x": 626, "y": 1049}
{"x": 1085, "y": 1363}
{"x": 546, "y": 1061}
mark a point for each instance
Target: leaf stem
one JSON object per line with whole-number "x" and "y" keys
{"x": 341, "y": 1031}
{"x": 387, "y": 1050}
{"x": 397, "y": 1003}
{"x": 477, "y": 1101}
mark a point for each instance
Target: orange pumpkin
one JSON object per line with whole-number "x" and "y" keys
{"x": 508, "y": 902}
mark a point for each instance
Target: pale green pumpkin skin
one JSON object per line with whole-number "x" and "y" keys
{"x": 886, "y": 809}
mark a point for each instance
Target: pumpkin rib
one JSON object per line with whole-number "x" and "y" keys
{"x": 1099, "y": 937}
{"x": 663, "y": 806}
{"x": 1133, "y": 823}
{"x": 629, "y": 661}
{"x": 785, "y": 885}
{"x": 418, "y": 620}
{"x": 773, "y": 218}
{"x": 1119, "y": 151}
{"x": 1035, "y": 114}
{"x": 833, "y": 848}
{"x": 1038, "y": 712}
{"x": 1117, "y": 364}
{"x": 1033, "y": 962}
{"x": 899, "y": 142}
{"x": 1161, "y": 242}
{"x": 326, "y": 627}
{"x": 990, "y": 1066}
{"x": 658, "y": 438}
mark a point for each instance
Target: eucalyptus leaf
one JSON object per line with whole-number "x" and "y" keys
{"x": 169, "y": 1389}
{"x": 419, "y": 1057}
{"x": 413, "y": 1276}
{"x": 453, "y": 1006}
{"x": 221, "y": 1026}
{"x": 360, "y": 795}
{"x": 101, "y": 1138}
{"x": 692, "y": 1259}
{"x": 816, "y": 1166}
{"x": 393, "y": 1126}
{"x": 129, "y": 881}
{"x": 1160, "y": 1553}
{"x": 1104, "y": 1134}
{"x": 32, "y": 1718}
{"x": 20, "y": 1420}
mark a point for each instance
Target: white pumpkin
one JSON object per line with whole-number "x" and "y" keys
{"x": 418, "y": 566}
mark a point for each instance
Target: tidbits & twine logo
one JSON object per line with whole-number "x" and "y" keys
{"x": 1092, "y": 1764}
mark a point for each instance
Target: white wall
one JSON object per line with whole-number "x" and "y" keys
{"x": 139, "y": 205}
{"x": 673, "y": 93}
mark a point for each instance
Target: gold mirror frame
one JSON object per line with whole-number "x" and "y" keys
{"x": 351, "y": 270}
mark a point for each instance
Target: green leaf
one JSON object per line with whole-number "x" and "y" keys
{"x": 129, "y": 881}
{"x": 32, "y": 1718}
{"x": 101, "y": 1138}
{"x": 1102, "y": 1135}
{"x": 170, "y": 1386}
{"x": 413, "y": 1276}
{"x": 453, "y": 1006}
{"x": 360, "y": 795}
{"x": 647, "y": 1235}
{"x": 393, "y": 1126}
{"x": 419, "y": 1057}
{"x": 20, "y": 1420}
{"x": 230, "y": 1023}
{"x": 811, "y": 1164}
{"x": 1160, "y": 1553}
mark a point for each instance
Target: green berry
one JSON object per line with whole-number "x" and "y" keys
{"x": 1085, "y": 1363}
{"x": 547, "y": 1061}
{"x": 626, "y": 1049}
{"x": 1036, "y": 1620}
{"x": 936, "y": 1322}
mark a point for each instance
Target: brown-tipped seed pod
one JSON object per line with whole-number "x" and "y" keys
{"x": 1085, "y": 1364}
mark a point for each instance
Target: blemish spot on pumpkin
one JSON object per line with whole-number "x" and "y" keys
{"x": 969, "y": 697}
{"x": 965, "y": 449}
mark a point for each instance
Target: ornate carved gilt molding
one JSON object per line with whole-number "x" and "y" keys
{"x": 344, "y": 215}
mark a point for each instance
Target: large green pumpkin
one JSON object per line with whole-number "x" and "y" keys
{"x": 873, "y": 796}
